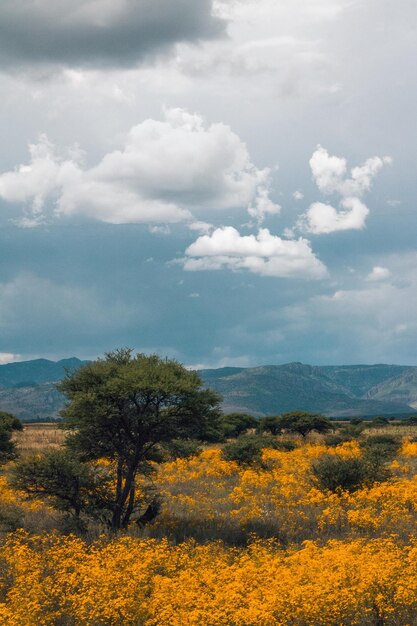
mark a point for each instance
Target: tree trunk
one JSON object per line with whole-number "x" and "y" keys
{"x": 130, "y": 505}
{"x": 121, "y": 498}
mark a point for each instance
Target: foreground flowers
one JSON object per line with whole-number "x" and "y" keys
{"x": 56, "y": 580}
{"x": 335, "y": 558}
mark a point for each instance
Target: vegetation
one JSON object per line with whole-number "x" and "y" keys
{"x": 122, "y": 407}
{"x": 274, "y": 525}
{"x": 299, "y": 422}
{"x": 8, "y": 424}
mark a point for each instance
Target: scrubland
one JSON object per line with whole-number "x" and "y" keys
{"x": 234, "y": 545}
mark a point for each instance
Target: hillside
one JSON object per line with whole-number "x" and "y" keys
{"x": 35, "y": 372}
{"x": 402, "y": 388}
{"x": 27, "y": 389}
{"x": 332, "y": 390}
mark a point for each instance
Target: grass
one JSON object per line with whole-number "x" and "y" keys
{"x": 39, "y": 437}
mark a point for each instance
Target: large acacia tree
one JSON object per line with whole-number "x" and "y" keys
{"x": 123, "y": 406}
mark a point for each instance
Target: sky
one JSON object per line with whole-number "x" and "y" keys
{"x": 224, "y": 182}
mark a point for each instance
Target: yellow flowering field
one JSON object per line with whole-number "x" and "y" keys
{"x": 234, "y": 545}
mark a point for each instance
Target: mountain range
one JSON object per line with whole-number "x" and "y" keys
{"x": 27, "y": 388}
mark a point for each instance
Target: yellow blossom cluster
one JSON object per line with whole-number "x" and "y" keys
{"x": 280, "y": 496}
{"x": 326, "y": 558}
{"x": 53, "y": 580}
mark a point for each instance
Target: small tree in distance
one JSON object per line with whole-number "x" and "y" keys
{"x": 234, "y": 424}
{"x": 8, "y": 424}
{"x": 123, "y": 406}
{"x": 299, "y": 422}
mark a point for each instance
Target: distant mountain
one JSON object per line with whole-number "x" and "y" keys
{"x": 28, "y": 373}
{"x": 27, "y": 389}
{"x": 402, "y": 388}
{"x": 41, "y": 402}
{"x": 337, "y": 391}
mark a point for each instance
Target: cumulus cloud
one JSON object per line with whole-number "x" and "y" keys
{"x": 99, "y": 32}
{"x": 379, "y": 273}
{"x": 264, "y": 254}
{"x": 323, "y": 218}
{"x": 331, "y": 176}
{"x": 165, "y": 170}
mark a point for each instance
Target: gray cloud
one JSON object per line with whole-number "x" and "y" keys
{"x": 99, "y": 32}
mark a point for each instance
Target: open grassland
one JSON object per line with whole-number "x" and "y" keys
{"x": 38, "y": 437}
{"x": 234, "y": 545}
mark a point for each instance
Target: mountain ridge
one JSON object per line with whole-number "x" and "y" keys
{"x": 27, "y": 388}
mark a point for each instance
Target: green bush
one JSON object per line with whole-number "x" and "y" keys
{"x": 334, "y": 473}
{"x": 378, "y": 422}
{"x": 235, "y": 424}
{"x": 180, "y": 449}
{"x": 349, "y": 474}
{"x": 333, "y": 440}
{"x": 247, "y": 449}
{"x": 384, "y": 446}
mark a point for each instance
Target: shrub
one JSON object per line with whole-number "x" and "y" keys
{"x": 334, "y": 473}
{"x": 180, "y": 449}
{"x": 378, "y": 422}
{"x": 247, "y": 449}
{"x": 235, "y": 424}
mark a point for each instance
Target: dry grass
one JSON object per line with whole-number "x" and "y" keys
{"x": 38, "y": 437}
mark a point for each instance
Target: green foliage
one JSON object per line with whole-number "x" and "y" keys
{"x": 303, "y": 423}
{"x": 350, "y": 474}
{"x": 410, "y": 421}
{"x": 356, "y": 421}
{"x": 68, "y": 484}
{"x": 379, "y": 422}
{"x": 235, "y": 424}
{"x": 123, "y": 407}
{"x": 270, "y": 424}
{"x": 8, "y": 424}
{"x": 386, "y": 446}
{"x": 335, "y": 439}
{"x": 247, "y": 449}
{"x": 334, "y": 473}
{"x": 180, "y": 449}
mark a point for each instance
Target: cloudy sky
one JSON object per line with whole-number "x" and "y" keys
{"x": 226, "y": 182}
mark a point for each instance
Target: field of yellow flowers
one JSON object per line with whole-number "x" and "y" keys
{"x": 233, "y": 546}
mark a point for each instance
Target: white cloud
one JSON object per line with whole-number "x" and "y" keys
{"x": 375, "y": 323}
{"x": 298, "y": 195}
{"x": 323, "y": 218}
{"x": 201, "y": 227}
{"x": 165, "y": 170}
{"x": 330, "y": 174}
{"x": 379, "y": 273}
{"x": 9, "y": 357}
{"x": 264, "y": 254}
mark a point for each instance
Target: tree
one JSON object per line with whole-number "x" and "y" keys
{"x": 67, "y": 483}
{"x": 8, "y": 424}
{"x": 303, "y": 423}
{"x": 270, "y": 424}
{"x": 234, "y": 424}
{"x": 121, "y": 407}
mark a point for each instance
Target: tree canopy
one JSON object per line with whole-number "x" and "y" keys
{"x": 122, "y": 406}
{"x": 300, "y": 422}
